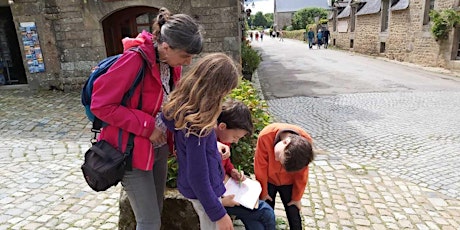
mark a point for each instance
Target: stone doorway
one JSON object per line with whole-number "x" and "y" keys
{"x": 127, "y": 22}
{"x": 11, "y": 65}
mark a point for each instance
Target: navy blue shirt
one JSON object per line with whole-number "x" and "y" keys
{"x": 201, "y": 174}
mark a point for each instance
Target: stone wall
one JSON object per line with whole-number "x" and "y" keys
{"x": 407, "y": 39}
{"x": 283, "y": 19}
{"x": 72, "y": 39}
{"x": 366, "y": 36}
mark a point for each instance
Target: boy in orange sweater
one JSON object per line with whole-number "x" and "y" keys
{"x": 281, "y": 165}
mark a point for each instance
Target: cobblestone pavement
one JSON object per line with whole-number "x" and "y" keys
{"x": 388, "y": 143}
{"x": 388, "y": 161}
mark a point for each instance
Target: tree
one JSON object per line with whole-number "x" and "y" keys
{"x": 269, "y": 17}
{"x": 306, "y": 16}
{"x": 259, "y": 19}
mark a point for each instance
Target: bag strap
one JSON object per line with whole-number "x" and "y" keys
{"x": 130, "y": 144}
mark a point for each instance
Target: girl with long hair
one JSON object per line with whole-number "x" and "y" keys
{"x": 191, "y": 114}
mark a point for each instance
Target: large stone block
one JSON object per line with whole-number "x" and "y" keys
{"x": 178, "y": 213}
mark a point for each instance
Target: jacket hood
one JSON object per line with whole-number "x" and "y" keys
{"x": 144, "y": 41}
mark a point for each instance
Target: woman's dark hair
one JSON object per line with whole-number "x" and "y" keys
{"x": 180, "y": 31}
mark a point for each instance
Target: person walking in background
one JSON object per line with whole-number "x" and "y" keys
{"x": 257, "y": 36}
{"x": 281, "y": 160}
{"x": 175, "y": 40}
{"x": 191, "y": 114}
{"x": 319, "y": 39}
{"x": 281, "y": 36}
{"x": 233, "y": 123}
{"x": 311, "y": 36}
{"x": 326, "y": 35}
{"x": 262, "y": 35}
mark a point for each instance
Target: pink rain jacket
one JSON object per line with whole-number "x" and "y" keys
{"x": 108, "y": 91}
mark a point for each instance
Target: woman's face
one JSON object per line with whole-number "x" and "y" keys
{"x": 176, "y": 57}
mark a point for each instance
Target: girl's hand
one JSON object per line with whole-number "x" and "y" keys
{"x": 225, "y": 223}
{"x": 237, "y": 175}
{"x": 227, "y": 201}
{"x": 224, "y": 150}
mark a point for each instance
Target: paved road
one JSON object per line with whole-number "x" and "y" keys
{"x": 393, "y": 131}
{"x": 358, "y": 184}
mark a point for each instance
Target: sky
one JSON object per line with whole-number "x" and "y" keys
{"x": 266, "y": 6}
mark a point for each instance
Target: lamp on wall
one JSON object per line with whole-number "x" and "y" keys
{"x": 11, "y": 2}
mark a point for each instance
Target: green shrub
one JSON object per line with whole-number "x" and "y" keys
{"x": 250, "y": 59}
{"x": 442, "y": 22}
{"x": 295, "y": 34}
{"x": 243, "y": 151}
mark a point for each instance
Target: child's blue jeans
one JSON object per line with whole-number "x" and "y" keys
{"x": 262, "y": 218}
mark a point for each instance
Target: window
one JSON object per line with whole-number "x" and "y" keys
{"x": 351, "y": 43}
{"x": 385, "y": 15}
{"x": 429, "y": 5}
{"x": 145, "y": 21}
{"x": 382, "y": 47}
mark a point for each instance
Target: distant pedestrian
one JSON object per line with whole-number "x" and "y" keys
{"x": 251, "y": 34}
{"x": 257, "y": 36}
{"x": 326, "y": 35}
{"x": 319, "y": 39}
{"x": 262, "y": 35}
{"x": 281, "y": 36}
{"x": 311, "y": 36}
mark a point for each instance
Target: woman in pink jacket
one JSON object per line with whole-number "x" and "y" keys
{"x": 176, "y": 39}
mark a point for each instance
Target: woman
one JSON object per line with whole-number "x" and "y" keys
{"x": 176, "y": 39}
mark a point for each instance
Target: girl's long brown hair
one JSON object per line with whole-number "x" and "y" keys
{"x": 196, "y": 102}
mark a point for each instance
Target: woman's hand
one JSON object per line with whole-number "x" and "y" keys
{"x": 238, "y": 175}
{"x": 227, "y": 201}
{"x": 157, "y": 137}
{"x": 225, "y": 223}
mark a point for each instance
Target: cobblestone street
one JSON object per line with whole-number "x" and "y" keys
{"x": 389, "y": 159}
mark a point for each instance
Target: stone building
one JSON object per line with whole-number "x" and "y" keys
{"x": 55, "y": 43}
{"x": 396, "y": 29}
{"x": 284, "y": 10}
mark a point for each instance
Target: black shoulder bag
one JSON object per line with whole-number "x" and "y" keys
{"x": 104, "y": 166}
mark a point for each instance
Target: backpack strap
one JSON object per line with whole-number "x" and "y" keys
{"x": 98, "y": 123}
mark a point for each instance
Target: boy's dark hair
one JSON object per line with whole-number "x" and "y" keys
{"x": 298, "y": 153}
{"x": 236, "y": 115}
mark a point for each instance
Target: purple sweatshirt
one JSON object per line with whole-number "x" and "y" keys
{"x": 201, "y": 173}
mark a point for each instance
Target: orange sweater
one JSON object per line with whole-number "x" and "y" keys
{"x": 268, "y": 170}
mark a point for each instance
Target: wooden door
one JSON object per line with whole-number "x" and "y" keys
{"x": 126, "y": 23}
